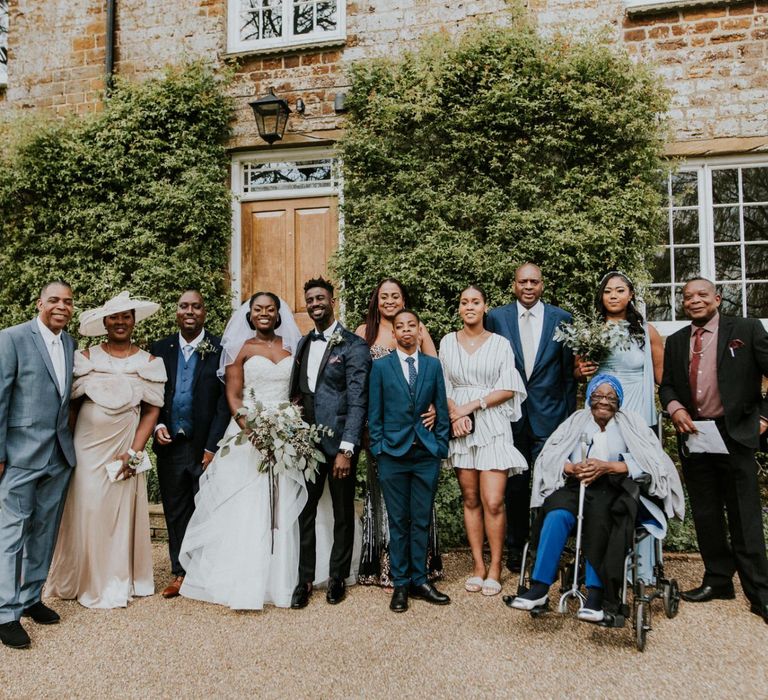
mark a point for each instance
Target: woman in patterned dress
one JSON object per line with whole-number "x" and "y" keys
{"x": 387, "y": 299}
{"x": 485, "y": 393}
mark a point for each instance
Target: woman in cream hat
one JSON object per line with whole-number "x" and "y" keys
{"x": 103, "y": 554}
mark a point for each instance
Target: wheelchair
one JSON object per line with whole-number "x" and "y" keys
{"x": 643, "y": 593}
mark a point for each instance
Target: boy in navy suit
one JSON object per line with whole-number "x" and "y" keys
{"x": 402, "y": 386}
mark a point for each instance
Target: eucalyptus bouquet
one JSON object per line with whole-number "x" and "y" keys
{"x": 281, "y": 437}
{"x": 591, "y": 338}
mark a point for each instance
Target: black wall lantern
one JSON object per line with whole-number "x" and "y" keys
{"x": 271, "y": 113}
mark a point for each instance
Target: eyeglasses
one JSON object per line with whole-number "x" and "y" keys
{"x": 603, "y": 398}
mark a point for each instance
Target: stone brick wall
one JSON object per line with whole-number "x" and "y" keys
{"x": 714, "y": 59}
{"x": 715, "y": 62}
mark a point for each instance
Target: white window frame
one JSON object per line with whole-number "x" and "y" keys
{"x": 235, "y": 45}
{"x": 704, "y": 167}
{"x": 4, "y": 68}
{"x": 335, "y": 188}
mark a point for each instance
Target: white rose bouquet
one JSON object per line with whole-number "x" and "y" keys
{"x": 591, "y": 338}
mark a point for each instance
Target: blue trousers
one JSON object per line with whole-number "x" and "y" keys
{"x": 31, "y": 504}
{"x": 409, "y": 484}
{"x": 555, "y": 530}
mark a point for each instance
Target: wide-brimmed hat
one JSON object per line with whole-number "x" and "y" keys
{"x": 92, "y": 320}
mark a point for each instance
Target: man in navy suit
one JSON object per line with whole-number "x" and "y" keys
{"x": 402, "y": 386}
{"x": 546, "y": 367}
{"x": 192, "y": 420}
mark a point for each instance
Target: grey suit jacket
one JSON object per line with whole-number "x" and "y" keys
{"x": 34, "y": 416}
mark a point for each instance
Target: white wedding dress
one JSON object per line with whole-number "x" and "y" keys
{"x": 228, "y": 551}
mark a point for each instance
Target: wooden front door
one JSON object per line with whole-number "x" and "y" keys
{"x": 285, "y": 243}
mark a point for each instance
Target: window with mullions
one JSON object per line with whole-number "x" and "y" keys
{"x": 295, "y": 175}
{"x": 265, "y": 24}
{"x": 716, "y": 226}
{"x": 3, "y": 42}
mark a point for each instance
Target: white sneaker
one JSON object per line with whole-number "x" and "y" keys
{"x": 589, "y": 615}
{"x": 528, "y": 604}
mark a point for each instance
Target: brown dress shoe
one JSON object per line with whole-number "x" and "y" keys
{"x": 172, "y": 590}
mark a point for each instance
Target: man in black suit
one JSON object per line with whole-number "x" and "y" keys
{"x": 546, "y": 367}
{"x": 330, "y": 383}
{"x": 192, "y": 420}
{"x": 713, "y": 370}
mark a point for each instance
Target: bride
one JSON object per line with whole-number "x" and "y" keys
{"x": 230, "y": 552}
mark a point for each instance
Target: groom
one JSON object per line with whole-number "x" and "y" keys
{"x": 330, "y": 383}
{"x": 36, "y": 456}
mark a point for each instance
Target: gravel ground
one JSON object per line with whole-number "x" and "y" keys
{"x": 475, "y": 647}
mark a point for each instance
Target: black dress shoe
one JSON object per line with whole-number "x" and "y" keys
{"x": 704, "y": 593}
{"x": 300, "y": 597}
{"x": 399, "y": 602}
{"x": 13, "y": 635}
{"x": 41, "y": 614}
{"x": 761, "y": 610}
{"x": 426, "y": 591}
{"x": 336, "y": 591}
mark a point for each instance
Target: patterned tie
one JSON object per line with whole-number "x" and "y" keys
{"x": 411, "y": 362}
{"x": 693, "y": 370}
{"x": 526, "y": 339}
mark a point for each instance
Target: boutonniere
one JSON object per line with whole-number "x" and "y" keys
{"x": 337, "y": 338}
{"x": 205, "y": 347}
{"x": 735, "y": 344}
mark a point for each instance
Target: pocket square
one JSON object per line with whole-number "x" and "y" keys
{"x": 334, "y": 359}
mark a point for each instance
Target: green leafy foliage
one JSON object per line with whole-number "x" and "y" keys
{"x": 134, "y": 197}
{"x": 469, "y": 157}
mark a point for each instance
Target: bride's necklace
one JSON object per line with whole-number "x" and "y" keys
{"x": 268, "y": 343}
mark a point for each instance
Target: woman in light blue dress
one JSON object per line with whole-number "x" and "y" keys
{"x": 639, "y": 368}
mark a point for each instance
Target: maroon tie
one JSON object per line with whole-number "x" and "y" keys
{"x": 693, "y": 371}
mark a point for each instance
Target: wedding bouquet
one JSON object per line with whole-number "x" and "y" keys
{"x": 591, "y": 338}
{"x": 281, "y": 437}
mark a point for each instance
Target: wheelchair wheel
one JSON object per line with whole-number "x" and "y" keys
{"x": 671, "y": 598}
{"x": 642, "y": 614}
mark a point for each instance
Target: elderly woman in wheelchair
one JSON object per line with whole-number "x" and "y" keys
{"x": 627, "y": 478}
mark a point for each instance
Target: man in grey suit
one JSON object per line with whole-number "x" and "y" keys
{"x": 36, "y": 456}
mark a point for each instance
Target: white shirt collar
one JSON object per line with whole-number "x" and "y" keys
{"x": 194, "y": 342}
{"x": 402, "y": 355}
{"x": 328, "y": 332}
{"x": 48, "y": 335}
{"x": 536, "y": 310}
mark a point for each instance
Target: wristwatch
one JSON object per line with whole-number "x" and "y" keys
{"x": 347, "y": 453}
{"x": 483, "y": 405}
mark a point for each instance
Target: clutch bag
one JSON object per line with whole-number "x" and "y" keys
{"x": 114, "y": 467}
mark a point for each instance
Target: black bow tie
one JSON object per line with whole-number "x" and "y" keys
{"x": 314, "y": 335}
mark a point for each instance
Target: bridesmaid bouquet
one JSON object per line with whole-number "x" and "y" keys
{"x": 591, "y": 338}
{"x": 281, "y": 437}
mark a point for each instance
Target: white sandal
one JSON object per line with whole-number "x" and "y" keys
{"x": 491, "y": 587}
{"x": 474, "y": 584}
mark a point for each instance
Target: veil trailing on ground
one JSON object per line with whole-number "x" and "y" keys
{"x": 238, "y": 331}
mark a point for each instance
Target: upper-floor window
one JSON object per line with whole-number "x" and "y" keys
{"x": 717, "y": 227}
{"x": 254, "y": 25}
{"x": 3, "y": 42}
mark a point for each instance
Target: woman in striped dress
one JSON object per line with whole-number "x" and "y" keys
{"x": 485, "y": 392}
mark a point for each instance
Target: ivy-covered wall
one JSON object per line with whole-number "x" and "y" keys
{"x": 134, "y": 197}
{"x": 469, "y": 157}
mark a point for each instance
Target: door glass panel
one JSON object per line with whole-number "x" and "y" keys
{"x": 685, "y": 226}
{"x": 685, "y": 189}
{"x": 755, "y": 223}
{"x": 757, "y": 300}
{"x": 731, "y": 299}
{"x": 756, "y": 259}
{"x": 686, "y": 263}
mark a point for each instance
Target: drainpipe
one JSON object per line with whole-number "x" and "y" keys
{"x": 109, "y": 60}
